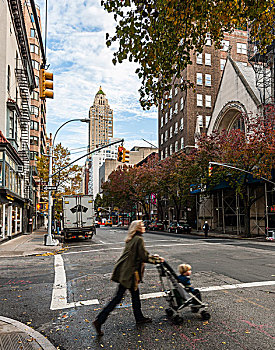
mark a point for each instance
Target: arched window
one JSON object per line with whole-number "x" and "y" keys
{"x": 238, "y": 124}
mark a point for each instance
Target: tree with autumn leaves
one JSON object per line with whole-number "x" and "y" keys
{"x": 251, "y": 149}
{"x": 162, "y": 35}
{"x": 68, "y": 181}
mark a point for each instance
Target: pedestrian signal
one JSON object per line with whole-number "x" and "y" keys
{"x": 120, "y": 153}
{"x": 125, "y": 158}
{"x": 46, "y": 82}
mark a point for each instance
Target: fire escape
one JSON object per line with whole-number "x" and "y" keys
{"x": 24, "y": 153}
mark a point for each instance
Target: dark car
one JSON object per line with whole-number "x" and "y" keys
{"x": 179, "y": 227}
{"x": 156, "y": 226}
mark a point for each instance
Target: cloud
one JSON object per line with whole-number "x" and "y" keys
{"x": 81, "y": 62}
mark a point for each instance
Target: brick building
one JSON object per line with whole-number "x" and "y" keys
{"x": 188, "y": 112}
{"x": 37, "y": 109}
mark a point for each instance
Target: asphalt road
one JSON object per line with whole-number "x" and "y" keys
{"x": 60, "y": 295}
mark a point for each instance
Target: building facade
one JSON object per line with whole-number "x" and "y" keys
{"x": 188, "y": 112}
{"x": 37, "y": 111}
{"x": 101, "y": 121}
{"x": 17, "y": 82}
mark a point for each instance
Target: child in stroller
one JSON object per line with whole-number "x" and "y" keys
{"x": 179, "y": 293}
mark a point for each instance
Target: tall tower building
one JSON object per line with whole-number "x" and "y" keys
{"x": 101, "y": 121}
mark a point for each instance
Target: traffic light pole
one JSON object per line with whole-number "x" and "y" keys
{"x": 242, "y": 170}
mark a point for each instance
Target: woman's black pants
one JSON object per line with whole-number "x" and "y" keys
{"x": 136, "y": 305}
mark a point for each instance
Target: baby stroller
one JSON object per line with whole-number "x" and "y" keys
{"x": 178, "y": 296}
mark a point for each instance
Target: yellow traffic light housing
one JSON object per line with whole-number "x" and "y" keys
{"x": 120, "y": 153}
{"x": 46, "y": 82}
{"x": 210, "y": 168}
{"x": 125, "y": 158}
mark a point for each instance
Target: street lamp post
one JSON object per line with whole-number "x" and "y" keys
{"x": 50, "y": 241}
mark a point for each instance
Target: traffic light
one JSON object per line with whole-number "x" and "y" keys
{"x": 210, "y": 168}
{"x": 125, "y": 158}
{"x": 120, "y": 153}
{"x": 46, "y": 82}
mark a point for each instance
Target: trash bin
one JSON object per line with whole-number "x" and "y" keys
{"x": 45, "y": 239}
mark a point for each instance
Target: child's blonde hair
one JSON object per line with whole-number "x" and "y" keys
{"x": 184, "y": 268}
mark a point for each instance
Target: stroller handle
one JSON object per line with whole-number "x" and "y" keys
{"x": 170, "y": 269}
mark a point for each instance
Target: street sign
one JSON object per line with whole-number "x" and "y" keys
{"x": 50, "y": 188}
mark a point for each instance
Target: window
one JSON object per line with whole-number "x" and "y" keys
{"x": 176, "y": 128}
{"x": 163, "y": 154}
{"x": 35, "y": 64}
{"x": 161, "y": 122}
{"x": 199, "y": 58}
{"x": 208, "y": 40}
{"x": 181, "y": 104}
{"x": 199, "y": 78}
{"x": 176, "y": 146}
{"x": 181, "y": 124}
{"x": 34, "y": 125}
{"x": 207, "y": 79}
{"x": 182, "y": 143}
{"x": 176, "y": 108}
{"x": 225, "y": 45}
{"x": 166, "y": 152}
{"x": 241, "y": 48}
{"x": 34, "y": 140}
{"x": 171, "y": 132}
{"x": 32, "y": 18}
{"x": 166, "y": 117}
{"x": 222, "y": 61}
{"x": 208, "y": 59}
{"x": 34, "y": 110}
{"x": 176, "y": 91}
{"x": 207, "y": 120}
{"x": 171, "y": 149}
{"x": 34, "y": 48}
{"x": 171, "y": 113}
{"x": 33, "y": 155}
{"x": 199, "y": 100}
{"x": 166, "y": 135}
{"x": 170, "y": 94}
{"x": 161, "y": 139}
{"x": 208, "y": 101}
{"x": 35, "y": 95}
{"x": 8, "y": 78}
{"x": 200, "y": 121}
{"x": 32, "y": 33}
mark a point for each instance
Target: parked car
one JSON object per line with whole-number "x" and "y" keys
{"x": 179, "y": 227}
{"x": 109, "y": 223}
{"x": 147, "y": 224}
{"x": 156, "y": 226}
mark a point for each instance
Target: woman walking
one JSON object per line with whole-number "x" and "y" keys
{"x": 128, "y": 273}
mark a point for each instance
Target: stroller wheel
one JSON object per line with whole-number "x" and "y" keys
{"x": 177, "y": 319}
{"x": 205, "y": 315}
{"x": 194, "y": 309}
{"x": 169, "y": 312}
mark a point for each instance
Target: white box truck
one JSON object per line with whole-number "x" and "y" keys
{"x": 78, "y": 217}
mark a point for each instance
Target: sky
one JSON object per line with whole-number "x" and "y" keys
{"x": 81, "y": 62}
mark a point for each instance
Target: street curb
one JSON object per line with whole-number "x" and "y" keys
{"x": 39, "y": 338}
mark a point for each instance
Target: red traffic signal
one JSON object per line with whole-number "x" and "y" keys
{"x": 120, "y": 153}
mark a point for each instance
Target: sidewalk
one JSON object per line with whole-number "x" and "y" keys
{"x": 15, "y": 335}
{"x": 26, "y": 245}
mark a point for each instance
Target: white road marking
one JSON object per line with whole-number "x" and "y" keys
{"x": 59, "y": 294}
{"x": 123, "y": 242}
{"x": 148, "y": 246}
{"x": 215, "y": 288}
